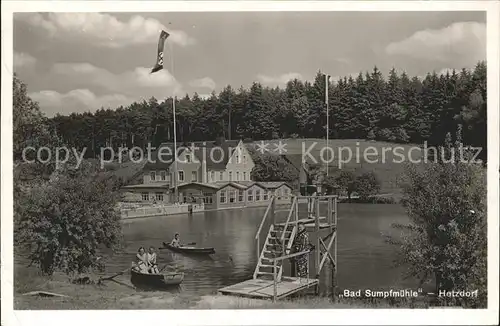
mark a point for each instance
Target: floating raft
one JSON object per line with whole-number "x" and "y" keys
{"x": 264, "y": 289}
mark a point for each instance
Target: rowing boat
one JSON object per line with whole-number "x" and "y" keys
{"x": 190, "y": 250}
{"x": 156, "y": 281}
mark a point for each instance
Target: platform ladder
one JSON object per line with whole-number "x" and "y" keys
{"x": 279, "y": 242}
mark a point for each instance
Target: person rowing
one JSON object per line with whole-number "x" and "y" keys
{"x": 153, "y": 266}
{"x": 176, "y": 242}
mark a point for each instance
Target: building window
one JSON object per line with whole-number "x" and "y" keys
{"x": 286, "y": 193}
{"x": 163, "y": 175}
{"x": 223, "y": 197}
{"x": 240, "y": 195}
{"x": 181, "y": 176}
{"x": 145, "y": 196}
{"x": 232, "y": 196}
{"x": 159, "y": 196}
{"x": 171, "y": 177}
{"x": 266, "y": 194}
{"x": 250, "y": 195}
{"x": 152, "y": 175}
{"x": 257, "y": 195}
{"x": 207, "y": 198}
{"x": 244, "y": 159}
{"x": 244, "y": 176}
{"x": 188, "y": 158}
{"x": 237, "y": 176}
{"x": 212, "y": 174}
{"x": 221, "y": 176}
{"x": 237, "y": 159}
{"x": 230, "y": 175}
{"x": 280, "y": 193}
{"x": 193, "y": 176}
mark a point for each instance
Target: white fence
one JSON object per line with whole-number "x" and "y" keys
{"x": 159, "y": 210}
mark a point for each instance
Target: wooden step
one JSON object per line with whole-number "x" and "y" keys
{"x": 280, "y": 227}
{"x": 264, "y": 273}
{"x": 279, "y": 239}
{"x": 268, "y": 266}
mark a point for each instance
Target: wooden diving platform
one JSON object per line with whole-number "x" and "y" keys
{"x": 264, "y": 289}
{"x": 309, "y": 222}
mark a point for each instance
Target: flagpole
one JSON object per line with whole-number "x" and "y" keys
{"x": 327, "y": 119}
{"x": 176, "y": 191}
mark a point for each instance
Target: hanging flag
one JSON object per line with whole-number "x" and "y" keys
{"x": 161, "y": 45}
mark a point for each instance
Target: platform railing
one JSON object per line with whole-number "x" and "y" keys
{"x": 292, "y": 209}
{"x": 275, "y": 261}
{"x": 270, "y": 208}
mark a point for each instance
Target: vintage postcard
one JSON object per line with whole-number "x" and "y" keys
{"x": 263, "y": 162}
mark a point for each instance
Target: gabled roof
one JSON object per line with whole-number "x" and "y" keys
{"x": 274, "y": 184}
{"x": 208, "y": 185}
{"x": 216, "y": 159}
{"x": 232, "y": 184}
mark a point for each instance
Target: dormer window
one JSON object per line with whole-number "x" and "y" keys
{"x": 188, "y": 158}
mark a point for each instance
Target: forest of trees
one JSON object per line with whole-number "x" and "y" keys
{"x": 396, "y": 108}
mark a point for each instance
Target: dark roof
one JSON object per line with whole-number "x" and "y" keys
{"x": 216, "y": 159}
{"x": 240, "y": 184}
{"x": 148, "y": 185}
{"x": 273, "y": 184}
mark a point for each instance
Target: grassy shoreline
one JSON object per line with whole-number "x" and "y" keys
{"x": 118, "y": 296}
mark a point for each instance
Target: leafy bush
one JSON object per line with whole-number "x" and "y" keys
{"x": 367, "y": 184}
{"x": 62, "y": 223}
{"x": 446, "y": 240}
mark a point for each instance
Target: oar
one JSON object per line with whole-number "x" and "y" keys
{"x": 113, "y": 276}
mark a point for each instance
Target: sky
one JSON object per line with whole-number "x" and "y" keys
{"x": 77, "y": 62}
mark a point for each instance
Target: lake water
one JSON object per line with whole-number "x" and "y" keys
{"x": 364, "y": 259}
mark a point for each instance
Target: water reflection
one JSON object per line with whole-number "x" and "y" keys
{"x": 365, "y": 260}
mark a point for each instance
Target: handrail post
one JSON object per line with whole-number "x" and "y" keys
{"x": 318, "y": 248}
{"x": 273, "y": 209}
{"x": 335, "y": 251}
{"x": 275, "y": 290}
{"x": 330, "y": 214}
{"x": 296, "y": 210}
{"x": 258, "y": 248}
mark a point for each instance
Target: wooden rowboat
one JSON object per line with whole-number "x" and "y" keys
{"x": 155, "y": 281}
{"x": 190, "y": 250}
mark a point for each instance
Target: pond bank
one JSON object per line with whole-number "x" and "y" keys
{"x": 112, "y": 295}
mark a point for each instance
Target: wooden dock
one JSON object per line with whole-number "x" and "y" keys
{"x": 264, "y": 289}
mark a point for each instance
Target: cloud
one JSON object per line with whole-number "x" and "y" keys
{"x": 463, "y": 44}
{"x": 205, "y": 82}
{"x": 102, "y": 29}
{"x": 79, "y": 100}
{"x": 280, "y": 80}
{"x": 23, "y": 60}
{"x": 354, "y": 75}
{"x": 204, "y": 96}
{"x": 137, "y": 81}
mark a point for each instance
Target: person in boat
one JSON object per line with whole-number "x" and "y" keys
{"x": 300, "y": 244}
{"x": 176, "y": 242}
{"x": 142, "y": 261}
{"x": 153, "y": 266}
